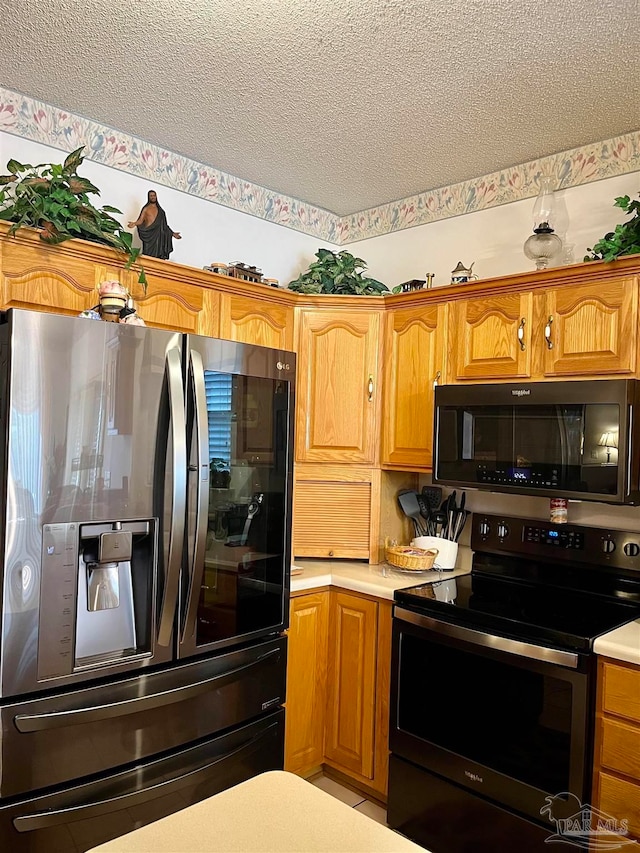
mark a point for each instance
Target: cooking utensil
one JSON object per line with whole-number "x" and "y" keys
{"x": 432, "y": 495}
{"x": 408, "y": 501}
{"x": 440, "y": 520}
{"x": 424, "y": 506}
{"x": 461, "y": 517}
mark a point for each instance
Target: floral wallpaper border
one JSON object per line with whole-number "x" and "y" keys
{"x": 582, "y": 165}
{"x": 31, "y": 119}
{"x": 38, "y": 121}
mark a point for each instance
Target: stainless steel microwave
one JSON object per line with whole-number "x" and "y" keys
{"x": 570, "y": 439}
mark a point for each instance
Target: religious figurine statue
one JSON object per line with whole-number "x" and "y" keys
{"x": 154, "y": 233}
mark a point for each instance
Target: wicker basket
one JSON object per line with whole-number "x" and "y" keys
{"x": 409, "y": 558}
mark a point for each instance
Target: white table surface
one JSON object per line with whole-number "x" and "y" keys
{"x": 275, "y": 812}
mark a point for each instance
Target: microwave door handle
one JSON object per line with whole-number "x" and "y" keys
{"x": 178, "y": 501}
{"x": 201, "y": 429}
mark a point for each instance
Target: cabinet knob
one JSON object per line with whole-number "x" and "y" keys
{"x": 547, "y": 332}
{"x": 370, "y": 388}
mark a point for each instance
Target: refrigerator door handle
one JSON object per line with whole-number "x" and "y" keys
{"x": 57, "y": 719}
{"x": 201, "y": 427}
{"x": 178, "y": 504}
{"x": 55, "y": 817}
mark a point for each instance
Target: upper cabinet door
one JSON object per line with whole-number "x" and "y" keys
{"x": 413, "y": 366}
{"x": 590, "y": 329}
{"x": 490, "y": 337}
{"x": 337, "y": 389}
{"x": 256, "y": 321}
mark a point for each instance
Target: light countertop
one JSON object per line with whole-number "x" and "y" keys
{"x": 621, "y": 644}
{"x": 274, "y": 812}
{"x": 380, "y": 581}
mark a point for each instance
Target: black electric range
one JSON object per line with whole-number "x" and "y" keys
{"x": 563, "y": 585}
{"x": 493, "y": 684}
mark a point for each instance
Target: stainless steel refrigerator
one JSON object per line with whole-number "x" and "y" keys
{"x": 145, "y": 486}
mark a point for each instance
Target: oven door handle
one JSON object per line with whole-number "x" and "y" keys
{"x": 490, "y": 641}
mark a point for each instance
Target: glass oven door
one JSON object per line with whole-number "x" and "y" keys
{"x": 509, "y": 727}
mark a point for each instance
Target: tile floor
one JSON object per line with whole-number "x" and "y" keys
{"x": 356, "y": 801}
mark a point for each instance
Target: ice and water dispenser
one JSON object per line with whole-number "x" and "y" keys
{"x": 98, "y": 579}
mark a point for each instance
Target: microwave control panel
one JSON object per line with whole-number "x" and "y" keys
{"x": 542, "y": 477}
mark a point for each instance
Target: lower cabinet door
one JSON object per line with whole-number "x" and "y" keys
{"x": 306, "y": 683}
{"x": 620, "y": 798}
{"x": 351, "y": 699}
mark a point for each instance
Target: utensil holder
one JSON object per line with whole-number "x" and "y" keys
{"x": 447, "y": 550}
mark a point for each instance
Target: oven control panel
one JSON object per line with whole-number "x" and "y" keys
{"x": 554, "y": 536}
{"x": 571, "y": 542}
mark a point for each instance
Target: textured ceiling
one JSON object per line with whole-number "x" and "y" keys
{"x": 344, "y": 104}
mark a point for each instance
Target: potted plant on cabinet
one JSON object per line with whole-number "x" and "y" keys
{"x": 337, "y": 273}
{"x": 53, "y": 198}
{"x": 624, "y": 239}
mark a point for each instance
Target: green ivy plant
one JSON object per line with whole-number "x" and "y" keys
{"x": 55, "y": 199}
{"x": 624, "y": 240}
{"x": 337, "y": 273}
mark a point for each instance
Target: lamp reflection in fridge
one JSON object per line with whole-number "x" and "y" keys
{"x": 142, "y": 661}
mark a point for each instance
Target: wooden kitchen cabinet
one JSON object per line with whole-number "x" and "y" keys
{"x": 174, "y": 305}
{"x": 257, "y": 321}
{"x": 582, "y": 330}
{"x": 347, "y": 511}
{"x": 616, "y": 782}
{"x": 64, "y": 279}
{"x": 356, "y": 741}
{"x": 337, "y": 391}
{"x": 338, "y": 682}
{"x": 414, "y": 363}
{"x": 589, "y": 329}
{"x": 306, "y": 682}
{"x": 488, "y": 337}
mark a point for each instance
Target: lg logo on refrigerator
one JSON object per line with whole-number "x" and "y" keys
{"x": 282, "y": 366}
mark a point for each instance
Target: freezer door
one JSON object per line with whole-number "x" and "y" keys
{"x": 240, "y": 402}
{"x": 90, "y": 441}
{"x": 84, "y": 816}
{"x": 56, "y": 739}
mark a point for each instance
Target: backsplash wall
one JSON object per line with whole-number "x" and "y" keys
{"x": 579, "y": 512}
